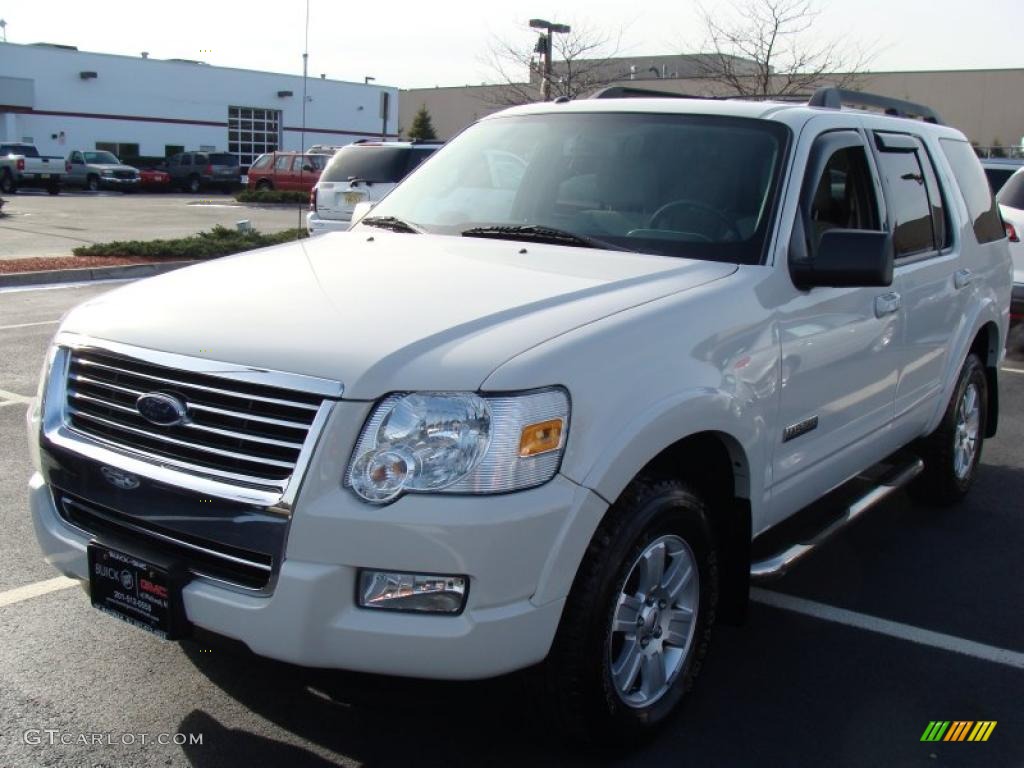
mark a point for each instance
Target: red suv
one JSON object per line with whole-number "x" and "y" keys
{"x": 286, "y": 171}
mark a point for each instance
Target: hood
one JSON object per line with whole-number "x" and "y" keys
{"x": 113, "y": 166}
{"x": 383, "y": 311}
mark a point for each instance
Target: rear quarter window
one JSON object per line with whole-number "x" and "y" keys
{"x": 223, "y": 159}
{"x": 1012, "y": 193}
{"x": 970, "y": 178}
{"x": 381, "y": 164}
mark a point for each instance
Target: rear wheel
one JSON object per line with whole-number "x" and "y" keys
{"x": 7, "y": 184}
{"x": 637, "y": 624}
{"x": 194, "y": 184}
{"x": 952, "y": 452}
{"x": 53, "y": 188}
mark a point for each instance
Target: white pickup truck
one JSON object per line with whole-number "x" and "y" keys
{"x": 552, "y": 423}
{"x": 21, "y": 165}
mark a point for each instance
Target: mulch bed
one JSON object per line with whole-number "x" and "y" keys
{"x": 41, "y": 263}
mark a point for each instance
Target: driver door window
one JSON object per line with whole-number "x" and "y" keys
{"x": 844, "y": 197}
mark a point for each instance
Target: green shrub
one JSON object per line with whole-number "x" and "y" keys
{"x": 219, "y": 241}
{"x": 272, "y": 196}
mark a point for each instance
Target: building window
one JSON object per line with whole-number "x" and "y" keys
{"x": 252, "y": 132}
{"x": 121, "y": 149}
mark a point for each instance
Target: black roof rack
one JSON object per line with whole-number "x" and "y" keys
{"x": 426, "y": 141}
{"x": 836, "y": 98}
{"x": 630, "y": 92}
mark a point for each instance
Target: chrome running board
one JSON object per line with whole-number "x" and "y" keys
{"x": 779, "y": 564}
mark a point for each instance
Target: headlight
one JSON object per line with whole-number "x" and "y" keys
{"x": 459, "y": 443}
{"x": 107, "y": 172}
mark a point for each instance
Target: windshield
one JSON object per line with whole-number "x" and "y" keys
{"x": 677, "y": 185}
{"x": 374, "y": 163}
{"x": 101, "y": 158}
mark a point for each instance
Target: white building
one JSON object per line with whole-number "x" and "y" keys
{"x": 61, "y": 99}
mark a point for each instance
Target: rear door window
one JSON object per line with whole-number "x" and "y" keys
{"x": 283, "y": 163}
{"x": 909, "y": 207}
{"x": 1012, "y": 193}
{"x": 981, "y": 205}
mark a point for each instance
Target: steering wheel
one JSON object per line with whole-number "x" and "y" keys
{"x": 662, "y": 213}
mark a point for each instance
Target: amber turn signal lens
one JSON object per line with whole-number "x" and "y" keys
{"x": 540, "y": 438}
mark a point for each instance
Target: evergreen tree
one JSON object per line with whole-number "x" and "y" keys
{"x": 422, "y": 127}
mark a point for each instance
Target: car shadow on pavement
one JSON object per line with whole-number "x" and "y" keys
{"x": 369, "y": 719}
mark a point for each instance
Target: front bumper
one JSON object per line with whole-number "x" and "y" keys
{"x": 317, "y": 226}
{"x": 110, "y": 182}
{"x": 518, "y": 550}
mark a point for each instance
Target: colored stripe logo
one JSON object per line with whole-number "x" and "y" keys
{"x": 958, "y": 730}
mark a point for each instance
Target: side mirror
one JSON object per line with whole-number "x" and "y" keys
{"x": 360, "y": 210}
{"x": 844, "y": 258}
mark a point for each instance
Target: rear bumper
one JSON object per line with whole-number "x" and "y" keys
{"x": 316, "y": 225}
{"x": 37, "y": 179}
{"x": 1017, "y": 303}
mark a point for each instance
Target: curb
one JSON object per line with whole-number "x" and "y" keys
{"x": 121, "y": 271}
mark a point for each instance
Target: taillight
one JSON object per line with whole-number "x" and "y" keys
{"x": 1011, "y": 232}
{"x": 67, "y": 167}
{"x": 312, "y": 199}
{"x": 209, "y": 170}
{"x": 21, "y": 163}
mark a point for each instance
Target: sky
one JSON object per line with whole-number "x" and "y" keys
{"x": 443, "y": 43}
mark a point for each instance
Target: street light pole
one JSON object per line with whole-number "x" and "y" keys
{"x": 545, "y": 43}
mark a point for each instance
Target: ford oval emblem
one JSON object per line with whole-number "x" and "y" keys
{"x": 123, "y": 480}
{"x": 158, "y": 408}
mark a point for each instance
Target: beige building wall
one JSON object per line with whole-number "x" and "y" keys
{"x": 985, "y": 104}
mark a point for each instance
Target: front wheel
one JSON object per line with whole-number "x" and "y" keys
{"x": 92, "y": 183}
{"x": 952, "y": 452}
{"x": 637, "y": 624}
{"x": 194, "y": 184}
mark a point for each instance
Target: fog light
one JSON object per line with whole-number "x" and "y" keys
{"x": 420, "y": 592}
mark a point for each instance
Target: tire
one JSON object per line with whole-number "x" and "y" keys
{"x": 53, "y": 189}
{"x": 194, "y": 184}
{"x": 264, "y": 185}
{"x": 595, "y": 680}
{"x": 7, "y": 185}
{"x": 952, "y": 452}
{"x": 92, "y": 183}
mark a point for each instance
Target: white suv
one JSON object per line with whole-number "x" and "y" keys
{"x": 1011, "y": 206}
{"x": 363, "y": 172}
{"x": 542, "y": 417}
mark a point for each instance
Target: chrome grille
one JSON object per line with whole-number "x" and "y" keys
{"x": 244, "y": 431}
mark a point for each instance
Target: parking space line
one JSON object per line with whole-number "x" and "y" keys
{"x": 1013, "y": 370}
{"x": 19, "y": 594}
{"x": 895, "y": 629}
{"x": 14, "y": 397}
{"x": 28, "y": 325}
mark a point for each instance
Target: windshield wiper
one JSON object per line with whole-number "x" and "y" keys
{"x": 541, "y": 234}
{"x": 393, "y": 223}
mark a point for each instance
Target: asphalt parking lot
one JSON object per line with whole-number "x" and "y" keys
{"x": 38, "y": 224}
{"x": 913, "y": 615}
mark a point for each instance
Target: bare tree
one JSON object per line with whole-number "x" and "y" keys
{"x": 584, "y": 62}
{"x": 769, "y": 48}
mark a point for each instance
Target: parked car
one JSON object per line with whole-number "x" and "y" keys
{"x": 21, "y": 165}
{"x": 154, "y": 180}
{"x": 1011, "y": 206}
{"x": 98, "y": 169}
{"x": 286, "y": 171}
{"x": 552, "y": 424}
{"x": 1000, "y": 169}
{"x": 361, "y": 172}
{"x": 196, "y": 171}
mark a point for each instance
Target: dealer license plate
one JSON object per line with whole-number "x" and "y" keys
{"x": 144, "y": 595}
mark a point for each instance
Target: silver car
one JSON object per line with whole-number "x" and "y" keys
{"x": 98, "y": 169}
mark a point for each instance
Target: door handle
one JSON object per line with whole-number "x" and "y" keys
{"x": 962, "y": 278}
{"x": 886, "y": 304}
